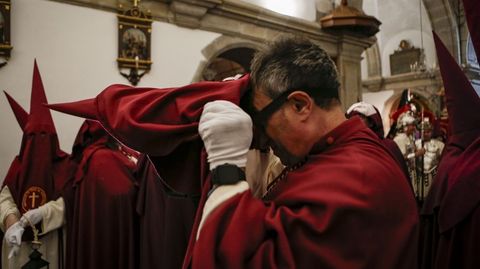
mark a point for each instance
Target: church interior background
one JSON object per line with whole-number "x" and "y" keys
{"x": 75, "y": 45}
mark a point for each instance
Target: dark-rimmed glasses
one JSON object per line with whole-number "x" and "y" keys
{"x": 261, "y": 117}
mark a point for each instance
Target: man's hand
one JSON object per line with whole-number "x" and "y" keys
{"x": 13, "y": 237}
{"x": 226, "y": 131}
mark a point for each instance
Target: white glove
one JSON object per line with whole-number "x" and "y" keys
{"x": 227, "y": 133}
{"x": 13, "y": 236}
{"x": 13, "y": 251}
{"x": 33, "y": 216}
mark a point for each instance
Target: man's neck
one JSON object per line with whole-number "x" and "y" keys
{"x": 329, "y": 120}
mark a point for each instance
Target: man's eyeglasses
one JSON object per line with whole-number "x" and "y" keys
{"x": 261, "y": 117}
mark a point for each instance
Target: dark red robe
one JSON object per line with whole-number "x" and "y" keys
{"x": 459, "y": 214}
{"x": 398, "y": 156}
{"x": 100, "y": 203}
{"x": 163, "y": 123}
{"x": 448, "y": 214}
{"x": 166, "y": 207}
{"x": 459, "y": 211}
{"x": 348, "y": 206}
{"x": 376, "y": 125}
{"x": 39, "y": 172}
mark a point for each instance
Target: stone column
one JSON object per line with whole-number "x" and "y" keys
{"x": 348, "y": 63}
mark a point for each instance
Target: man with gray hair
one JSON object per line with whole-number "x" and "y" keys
{"x": 341, "y": 202}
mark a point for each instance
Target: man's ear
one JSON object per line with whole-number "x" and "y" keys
{"x": 301, "y": 102}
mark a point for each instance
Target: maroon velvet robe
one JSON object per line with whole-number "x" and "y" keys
{"x": 100, "y": 203}
{"x": 166, "y": 207}
{"x": 348, "y": 206}
{"x": 438, "y": 238}
{"x": 163, "y": 123}
{"x": 398, "y": 156}
{"x": 39, "y": 172}
{"x": 376, "y": 125}
{"x": 459, "y": 209}
{"x": 459, "y": 214}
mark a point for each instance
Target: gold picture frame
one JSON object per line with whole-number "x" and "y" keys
{"x": 134, "y": 43}
{"x": 5, "y": 43}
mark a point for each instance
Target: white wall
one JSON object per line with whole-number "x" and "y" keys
{"x": 378, "y": 100}
{"x": 400, "y": 20}
{"x": 304, "y": 9}
{"x": 76, "y": 50}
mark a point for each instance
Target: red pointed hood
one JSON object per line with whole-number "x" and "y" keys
{"x": 90, "y": 132}
{"x": 471, "y": 8}
{"x": 461, "y": 98}
{"x": 20, "y": 114}
{"x": 154, "y": 120}
{"x": 41, "y": 167}
{"x": 85, "y": 108}
{"x": 40, "y": 118}
{"x": 462, "y": 102}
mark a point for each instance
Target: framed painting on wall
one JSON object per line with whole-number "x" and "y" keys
{"x": 134, "y": 43}
{"x": 5, "y": 44}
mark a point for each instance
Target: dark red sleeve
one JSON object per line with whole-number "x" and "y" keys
{"x": 244, "y": 233}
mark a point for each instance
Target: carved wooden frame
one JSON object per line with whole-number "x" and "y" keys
{"x": 5, "y": 43}
{"x": 134, "y": 39}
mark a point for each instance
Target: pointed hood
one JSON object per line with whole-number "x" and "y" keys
{"x": 154, "y": 120}
{"x": 90, "y": 137}
{"x": 20, "y": 114}
{"x": 464, "y": 123}
{"x": 85, "y": 108}
{"x": 461, "y": 98}
{"x": 42, "y": 167}
{"x": 90, "y": 132}
{"x": 40, "y": 117}
{"x": 473, "y": 21}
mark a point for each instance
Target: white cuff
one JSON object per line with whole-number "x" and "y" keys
{"x": 7, "y": 206}
{"x": 53, "y": 215}
{"x": 217, "y": 197}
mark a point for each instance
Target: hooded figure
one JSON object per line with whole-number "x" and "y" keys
{"x": 451, "y": 213}
{"x": 163, "y": 123}
{"x": 100, "y": 202}
{"x": 32, "y": 185}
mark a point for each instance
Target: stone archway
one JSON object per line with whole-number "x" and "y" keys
{"x": 226, "y": 56}
{"x": 227, "y": 64}
{"x": 444, "y": 24}
{"x": 420, "y": 99}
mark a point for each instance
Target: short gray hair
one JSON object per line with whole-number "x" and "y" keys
{"x": 295, "y": 63}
